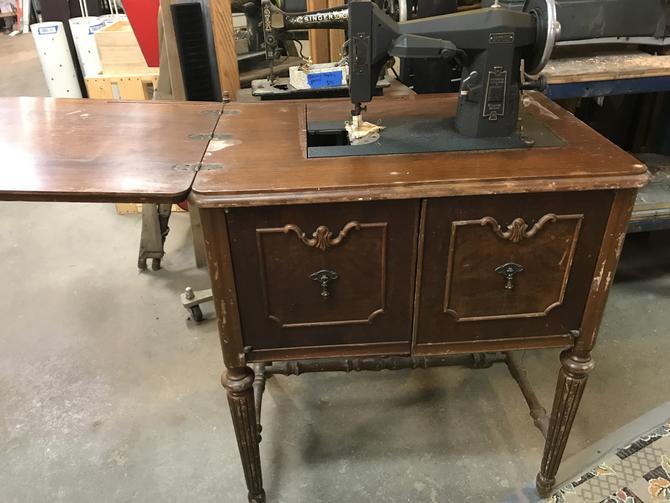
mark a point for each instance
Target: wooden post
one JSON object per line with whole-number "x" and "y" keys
{"x": 171, "y": 52}
{"x": 319, "y": 47}
{"x": 224, "y": 44}
{"x": 336, "y": 37}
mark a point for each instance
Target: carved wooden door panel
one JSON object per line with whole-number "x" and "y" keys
{"x": 325, "y": 275}
{"x": 508, "y": 266}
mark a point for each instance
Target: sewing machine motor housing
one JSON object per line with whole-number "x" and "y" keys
{"x": 489, "y": 43}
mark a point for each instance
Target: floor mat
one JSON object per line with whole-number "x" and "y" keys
{"x": 638, "y": 472}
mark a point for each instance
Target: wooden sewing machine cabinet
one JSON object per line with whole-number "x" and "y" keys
{"x": 397, "y": 261}
{"x": 360, "y": 262}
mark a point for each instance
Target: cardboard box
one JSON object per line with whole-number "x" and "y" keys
{"x": 119, "y": 50}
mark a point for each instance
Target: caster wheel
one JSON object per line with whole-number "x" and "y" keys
{"x": 196, "y": 314}
{"x": 155, "y": 264}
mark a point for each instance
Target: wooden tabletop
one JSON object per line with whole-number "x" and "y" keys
{"x": 94, "y": 150}
{"x": 263, "y": 160}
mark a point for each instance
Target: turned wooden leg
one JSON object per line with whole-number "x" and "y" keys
{"x": 569, "y": 389}
{"x": 239, "y": 387}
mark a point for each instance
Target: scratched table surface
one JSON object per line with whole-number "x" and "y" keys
{"x": 111, "y": 151}
{"x": 276, "y": 169}
{"x": 608, "y": 72}
{"x": 606, "y": 66}
{"x": 94, "y": 150}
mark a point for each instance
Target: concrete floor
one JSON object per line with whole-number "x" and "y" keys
{"x": 20, "y": 71}
{"x": 108, "y": 393}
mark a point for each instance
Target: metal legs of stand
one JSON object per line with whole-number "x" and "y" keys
{"x": 155, "y": 229}
{"x": 155, "y": 218}
{"x": 191, "y": 300}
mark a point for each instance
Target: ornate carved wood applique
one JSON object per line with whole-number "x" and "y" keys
{"x": 322, "y": 238}
{"x": 518, "y": 230}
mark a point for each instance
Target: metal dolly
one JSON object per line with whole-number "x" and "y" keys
{"x": 191, "y": 300}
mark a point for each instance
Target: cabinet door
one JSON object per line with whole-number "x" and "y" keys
{"x": 512, "y": 266}
{"x": 325, "y": 280}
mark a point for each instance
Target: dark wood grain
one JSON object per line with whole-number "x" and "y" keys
{"x": 603, "y": 276}
{"x": 93, "y": 150}
{"x": 469, "y": 302}
{"x": 276, "y": 171}
{"x": 372, "y": 250}
{"x": 475, "y": 289}
{"x": 329, "y": 351}
{"x": 491, "y": 343}
{"x": 220, "y": 266}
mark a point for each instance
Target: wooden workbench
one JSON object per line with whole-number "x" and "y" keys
{"x": 606, "y": 66}
{"x": 614, "y": 73}
{"x": 373, "y": 262}
{"x": 607, "y": 73}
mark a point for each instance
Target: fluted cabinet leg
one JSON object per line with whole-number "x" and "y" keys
{"x": 239, "y": 387}
{"x": 569, "y": 389}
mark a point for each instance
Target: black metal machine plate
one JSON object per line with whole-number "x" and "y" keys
{"x": 416, "y": 135}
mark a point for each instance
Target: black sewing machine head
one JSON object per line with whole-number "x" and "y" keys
{"x": 489, "y": 43}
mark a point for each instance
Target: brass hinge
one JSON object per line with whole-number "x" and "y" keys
{"x": 211, "y": 112}
{"x": 195, "y": 167}
{"x": 210, "y": 166}
{"x": 208, "y": 136}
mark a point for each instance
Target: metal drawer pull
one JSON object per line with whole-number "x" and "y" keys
{"x": 324, "y": 277}
{"x": 509, "y": 271}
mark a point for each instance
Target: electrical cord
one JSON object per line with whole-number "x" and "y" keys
{"x": 300, "y": 53}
